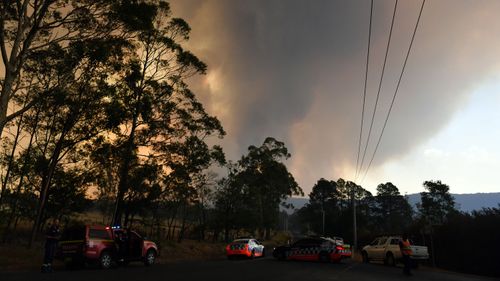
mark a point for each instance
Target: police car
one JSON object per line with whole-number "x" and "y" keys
{"x": 310, "y": 249}
{"x": 343, "y": 249}
{"x": 245, "y": 247}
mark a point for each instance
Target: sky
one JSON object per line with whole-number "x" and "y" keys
{"x": 294, "y": 70}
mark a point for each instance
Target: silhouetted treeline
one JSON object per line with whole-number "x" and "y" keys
{"x": 469, "y": 242}
{"x": 456, "y": 240}
{"x": 95, "y": 102}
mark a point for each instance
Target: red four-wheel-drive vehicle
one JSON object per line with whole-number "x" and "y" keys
{"x": 104, "y": 245}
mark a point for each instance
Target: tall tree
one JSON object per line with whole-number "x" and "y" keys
{"x": 324, "y": 195}
{"x": 156, "y": 113}
{"x": 436, "y": 203}
{"x": 323, "y": 191}
{"x": 393, "y": 211}
{"x": 74, "y": 110}
{"x": 267, "y": 180}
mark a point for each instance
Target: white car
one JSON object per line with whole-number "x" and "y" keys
{"x": 386, "y": 249}
{"x": 247, "y": 247}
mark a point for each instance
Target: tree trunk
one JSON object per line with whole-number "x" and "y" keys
{"x": 21, "y": 179}
{"x": 5, "y": 97}
{"x": 47, "y": 178}
{"x": 18, "y": 54}
{"x": 183, "y": 224}
{"x": 226, "y": 234}
{"x": 171, "y": 232}
{"x": 11, "y": 160}
{"x": 124, "y": 170}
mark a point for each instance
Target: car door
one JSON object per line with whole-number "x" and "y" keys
{"x": 295, "y": 251}
{"x": 136, "y": 244}
{"x": 309, "y": 250}
{"x": 252, "y": 246}
{"x": 259, "y": 248}
{"x": 98, "y": 240}
{"x": 379, "y": 249}
{"x": 394, "y": 247}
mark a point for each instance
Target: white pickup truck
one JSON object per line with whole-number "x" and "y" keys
{"x": 386, "y": 249}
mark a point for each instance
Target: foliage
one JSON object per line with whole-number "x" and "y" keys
{"x": 469, "y": 242}
{"x": 255, "y": 187}
{"x": 436, "y": 203}
{"x": 101, "y": 99}
{"x": 393, "y": 212}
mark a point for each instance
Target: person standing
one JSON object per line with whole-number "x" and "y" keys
{"x": 406, "y": 252}
{"x": 51, "y": 239}
{"x": 122, "y": 244}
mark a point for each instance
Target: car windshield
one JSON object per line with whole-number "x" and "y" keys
{"x": 241, "y": 241}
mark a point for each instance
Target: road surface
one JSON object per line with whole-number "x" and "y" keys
{"x": 259, "y": 269}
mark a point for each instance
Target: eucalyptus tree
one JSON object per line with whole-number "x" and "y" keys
{"x": 28, "y": 26}
{"x": 436, "y": 203}
{"x": 392, "y": 210}
{"x": 74, "y": 110}
{"x": 233, "y": 205}
{"x": 324, "y": 197}
{"x": 267, "y": 181}
{"x": 155, "y": 113}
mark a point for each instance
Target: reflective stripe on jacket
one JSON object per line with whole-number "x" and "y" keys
{"x": 406, "y": 249}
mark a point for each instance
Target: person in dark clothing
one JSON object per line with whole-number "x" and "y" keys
{"x": 405, "y": 247}
{"x": 51, "y": 238}
{"x": 122, "y": 243}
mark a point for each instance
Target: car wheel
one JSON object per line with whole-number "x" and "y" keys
{"x": 364, "y": 257}
{"x": 389, "y": 260}
{"x": 252, "y": 255}
{"x": 150, "y": 258}
{"x": 106, "y": 260}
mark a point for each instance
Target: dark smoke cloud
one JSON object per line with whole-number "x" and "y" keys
{"x": 294, "y": 70}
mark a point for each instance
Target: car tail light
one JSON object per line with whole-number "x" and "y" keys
{"x": 339, "y": 248}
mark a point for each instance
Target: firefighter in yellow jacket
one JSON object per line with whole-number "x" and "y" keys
{"x": 405, "y": 247}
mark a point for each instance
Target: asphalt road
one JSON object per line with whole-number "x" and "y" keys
{"x": 262, "y": 269}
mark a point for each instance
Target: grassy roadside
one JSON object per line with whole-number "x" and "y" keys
{"x": 20, "y": 258}
{"x": 171, "y": 251}
{"x": 13, "y": 258}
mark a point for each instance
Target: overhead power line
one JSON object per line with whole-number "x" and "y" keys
{"x": 364, "y": 90}
{"x": 379, "y": 86}
{"x": 397, "y": 89}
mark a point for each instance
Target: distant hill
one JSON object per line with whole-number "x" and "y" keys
{"x": 465, "y": 202}
{"x": 297, "y": 202}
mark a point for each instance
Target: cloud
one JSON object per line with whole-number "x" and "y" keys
{"x": 294, "y": 70}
